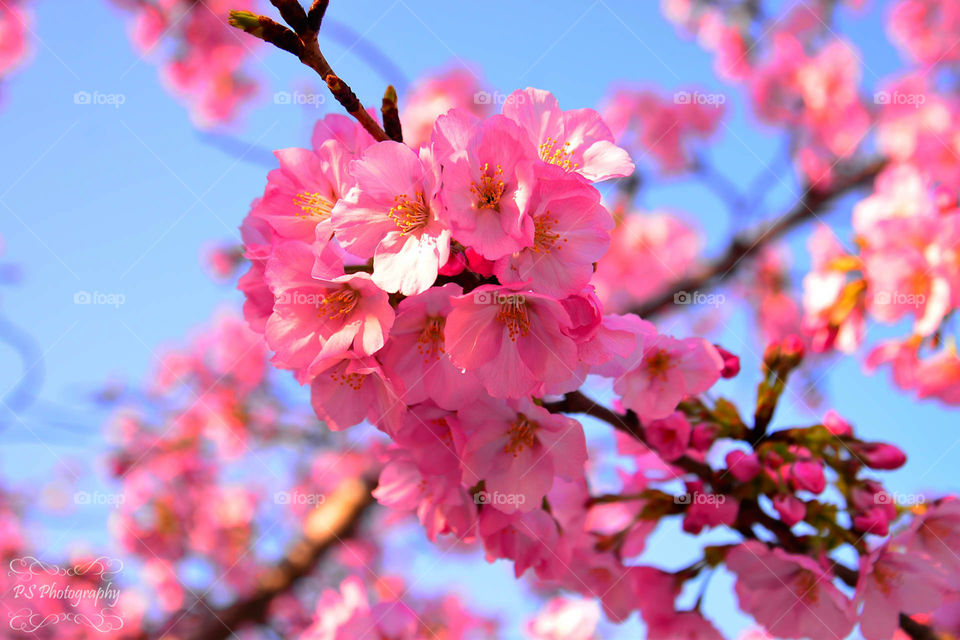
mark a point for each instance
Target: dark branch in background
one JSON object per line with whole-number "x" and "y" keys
{"x": 24, "y": 392}
{"x": 302, "y": 42}
{"x": 744, "y": 246}
{"x": 325, "y": 527}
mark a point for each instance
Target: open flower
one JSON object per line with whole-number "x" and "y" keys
{"x": 487, "y": 182}
{"x": 514, "y": 341}
{"x": 575, "y": 140}
{"x": 571, "y": 232}
{"x": 791, "y": 596}
{"x": 517, "y": 447}
{"x": 315, "y": 320}
{"x": 393, "y": 215}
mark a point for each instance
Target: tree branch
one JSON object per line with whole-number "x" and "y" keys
{"x": 302, "y": 42}
{"x": 742, "y": 247}
{"x": 324, "y": 528}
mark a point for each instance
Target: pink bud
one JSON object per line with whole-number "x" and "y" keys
{"x": 479, "y": 264}
{"x": 880, "y": 455}
{"x": 808, "y": 475}
{"x": 670, "y": 436}
{"x": 455, "y": 265}
{"x": 731, "y": 363}
{"x": 703, "y": 436}
{"x": 790, "y": 508}
{"x": 792, "y": 347}
{"x": 837, "y": 425}
{"x": 586, "y": 314}
{"x": 743, "y": 466}
{"x": 874, "y": 521}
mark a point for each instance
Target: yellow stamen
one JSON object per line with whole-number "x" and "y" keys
{"x": 490, "y": 189}
{"x": 554, "y": 153}
{"x": 522, "y": 434}
{"x": 410, "y": 215}
{"x": 313, "y": 205}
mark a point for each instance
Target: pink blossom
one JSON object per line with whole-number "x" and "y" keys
{"x": 13, "y": 42}
{"x": 664, "y": 128}
{"x": 682, "y": 625}
{"x": 316, "y": 320}
{"x": 790, "y": 595}
{"x": 345, "y": 392}
{"x": 513, "y": 340}
{"x": 665, "y": 371}
{"x": 393, "y": 215}
{"x": 417, "y": 351}
{"x": 435, "y": 95}
{"x": 571, "y": 232}
{"x": 648, "y": 251}
{"x": 891, "y": 583}
{"x": 936, "y": 533}
{"x": 575, "y": 140}
{"x": 488, "y": 178}
{"x": 517, "y": 447}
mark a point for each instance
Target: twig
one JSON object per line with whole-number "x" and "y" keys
{"x": 302, "y": 42}
{"x": 744, "y": 246}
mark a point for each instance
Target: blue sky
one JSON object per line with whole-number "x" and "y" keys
{"x": 121, "y": 201}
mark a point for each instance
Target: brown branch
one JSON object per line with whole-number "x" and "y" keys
{"x": 323, "y": 529}
{"x": 744, "y": 246}
{"x": 749, "y": 512}
{"x": 302, "y": 42}
{"x": 578, "y": 402}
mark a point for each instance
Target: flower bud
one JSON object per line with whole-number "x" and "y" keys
{"x": 837, "y": 425}
{"x": 455, "y": 265}
{"x": 479, "y": 264}
{"x": 791, "y": 349}
{"x": 791, "y": 509}
{"x": 743, "y": 466}
{"x": 880, "y": 455}
{"x": 731, "y": 363}
{"x": 808, "y": 475}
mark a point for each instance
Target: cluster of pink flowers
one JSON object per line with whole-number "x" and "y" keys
{"x": 794, "y": 78}
{"x": 13, "y": 36}
{"x": 927, "y": 29}
{"x": 206, "y": 69}
{"x": 904, "y": 267}
{"x": 663, "y": 128}
{"x": 446, "y": 295}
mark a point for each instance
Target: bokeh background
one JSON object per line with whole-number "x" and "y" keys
{"x": 125, "y": 200}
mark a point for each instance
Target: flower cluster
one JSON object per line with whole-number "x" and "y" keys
{"x": 206, "y": 69}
